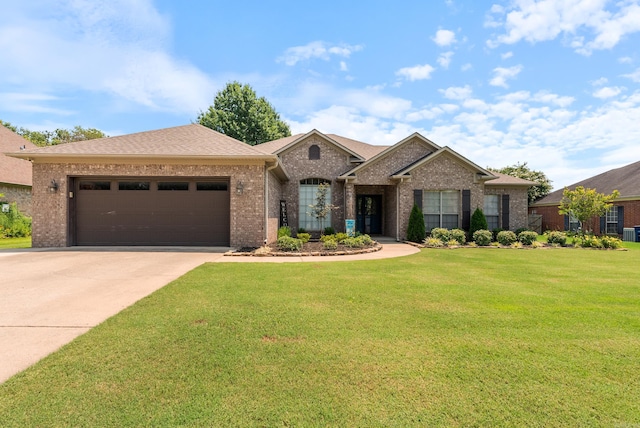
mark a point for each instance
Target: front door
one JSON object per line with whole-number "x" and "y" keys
{"x": 369, "y": 214}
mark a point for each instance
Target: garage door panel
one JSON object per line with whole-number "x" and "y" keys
{"x": 152, "y": 217}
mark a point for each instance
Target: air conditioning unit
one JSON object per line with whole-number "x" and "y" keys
{"x": 629, "y": 234}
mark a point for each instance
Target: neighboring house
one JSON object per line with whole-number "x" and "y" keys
{"x": 625, "y": 212}
{"x": 15, "y": 174}
{"x": 190, "y": 185}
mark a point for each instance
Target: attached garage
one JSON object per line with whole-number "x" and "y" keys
{"x": 150, "y": 211}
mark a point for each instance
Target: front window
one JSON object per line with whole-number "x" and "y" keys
{"x": 307, "y": 197}
{"x": 612, "y": 220}
{"x": 574, "y": 224}
{"x": 441, "y": 209}
{"x": 492, "y": 211}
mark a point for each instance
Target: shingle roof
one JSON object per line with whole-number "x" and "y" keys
{"x": 365, "y": 150}
{"x": 182, "y": 141}
{"x": 14, "y": 171}
{"x": 626, "y": 180}
{"x": 508, "y": 180}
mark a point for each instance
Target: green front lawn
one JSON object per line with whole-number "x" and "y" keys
{"x": 466, "y": 337}
{"x": 15, "y": 242}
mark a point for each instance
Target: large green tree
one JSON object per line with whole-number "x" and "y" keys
{"x": 585, "y": 204}
{"x": 540, "y": 190}
{"x": 59, "y": 136}
{"x": 239, "y": 113}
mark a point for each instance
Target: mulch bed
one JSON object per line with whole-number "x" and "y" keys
{"x": 311, "y": 248}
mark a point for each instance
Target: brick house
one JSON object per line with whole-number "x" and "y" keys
{"x": 625, "y": 212}
{"x": 15, "y": 174}
{"x": 190, "y": 185}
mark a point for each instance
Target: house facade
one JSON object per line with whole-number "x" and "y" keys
{"x": 625, "y": 212}
{"x": 190, "y": 185}
{"x": 15, "y": 174}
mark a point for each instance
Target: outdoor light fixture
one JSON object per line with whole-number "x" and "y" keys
{"x": 53, "y": 187}
{"x": 239, "y": 188}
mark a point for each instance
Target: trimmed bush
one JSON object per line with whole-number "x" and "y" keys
{"x": 506, "y": 237}
{"x": 611, "y": 242}
{"x": 416, "y": 230}
{"x": 433, "y": 242}
{"x": 440, "y": 233}
{"x": 284, "y": 231}
{"x": 458, "y": 235}
{"x": 353, "y": 242}
{"x": 527, "y": 237}
{"x": 482, "y": 237}
{"x": 287, "y": 243}
{"x": 495, "y": 233}
{"x": 325, "y": 238}
{"x": 557, "y": 238}
{"x": 478, "y": 222}
{"x": 304, "y": 237}
{"x": 330, "y": 244}
{"x": 588, "y": 241}
{"x": 340, "y": 236}
{"x": 520, "y": 230}
{"x": 329, "y": 231}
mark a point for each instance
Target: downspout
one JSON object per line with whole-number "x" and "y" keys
{"x": 266, "y": 200}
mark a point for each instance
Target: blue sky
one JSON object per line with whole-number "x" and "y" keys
{"x": 554, "y": 83}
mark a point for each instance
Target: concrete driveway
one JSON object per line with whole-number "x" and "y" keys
{"x": 49, "y": 297}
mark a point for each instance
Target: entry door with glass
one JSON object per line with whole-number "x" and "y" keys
{"x": 369, "y": 214}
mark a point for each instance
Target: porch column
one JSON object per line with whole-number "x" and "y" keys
{"x": 350, "y": 200}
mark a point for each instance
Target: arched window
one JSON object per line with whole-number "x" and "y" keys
{"x": 314, "y": 152}
{"x": 307, "y": 196}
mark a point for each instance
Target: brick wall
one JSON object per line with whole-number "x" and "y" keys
{"x": 518, "y": 205}
{"x": 551, "y": 220}
{"x": 51, "y": 212}
{"x": 21, "y": 195}
{"x": 332, "y": 163}
{"x": 275, "y": 195}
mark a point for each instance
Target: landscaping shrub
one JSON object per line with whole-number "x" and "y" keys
{"x": 341, "y": 236}
{"x": 520, "y": 230}
{"x": 478, "y": 222}
{"x": 458, "y": 235}
{"x": 329, "y": 231}
{"x": 353, "y": 243}
{"x": 304, "y": 237}
{"x": 325, "y": 238}
{"x": 285, "y": 231}
{"x": 287, "y": 243}
{"x": 416, "y": 230}
{"x": 495, "y": 232}
{"x": 506, "y": 237}
{"x": 440, "y": 233}
{"x": 364, "y": 239}
{"x": 557, "y": 238}
{"x": 452, "y": 243}
{"x": 433, "y": 242}
{"x": 302, "y": 230}
{"x": 482, "y": 237}
{"x": 611, "y": 242}
{"x": 587, "y": 241}
{"x": 517, "y": 244}
{"x": 330, "y": 244}
{"x": 14, "y": 224}
{"x": 527, "y": 237}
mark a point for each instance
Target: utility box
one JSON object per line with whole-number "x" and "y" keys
{"x": 629, "y": 234}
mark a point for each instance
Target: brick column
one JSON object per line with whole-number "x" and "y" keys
{"x": 350, "y": 200}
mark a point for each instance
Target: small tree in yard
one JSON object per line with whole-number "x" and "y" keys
{"x": 416, "y": 229}
{"x": 321, "y": 209}
{"x": 584, "y": 204}
{"x": 478, "y": 222}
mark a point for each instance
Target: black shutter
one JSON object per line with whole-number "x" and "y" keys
{"x": 566, "y": 222}
{"x": 417, "y": 198}
{"x": 466, "y": 209}
{"x": 620, "y": 220}
{"x": 505, "y": 212}
{"x": 603, "y": 224}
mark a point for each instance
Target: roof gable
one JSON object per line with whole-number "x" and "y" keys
{"x": 14, "y": 171}
{"x": 285, "y": 144}
{"x": 406, "y": 172}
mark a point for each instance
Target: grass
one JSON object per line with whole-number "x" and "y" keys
{"x": 466, "y": 337}
{"x": 8, "y": 243}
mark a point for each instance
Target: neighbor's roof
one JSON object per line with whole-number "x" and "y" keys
{"x": 625, "y": 180}
{"x": 186, "y": 141}
{"x": 508, "y": 180}
{"x": 12, "y": 170}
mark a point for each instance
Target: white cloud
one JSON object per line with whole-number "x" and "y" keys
{"x": 635, "y": 76}
{"x": 456, "y": 92}
{"x": 445, "y": 59}
{"x": 316, "y": 49}
{"x": 418, "y": 72}
{"x": 607, "y": 92}
{"x": 116, "y": 47}
{"x": 599, "y": 82}
{"x": 502, "y": 74}
{"x": 606, "y": 23}
{"x": 444, "y": 38}
{"x": 506, "y": 55}
{"x": 343, "y": 66}
{"x": 625, "y": 60}
{"x": 466, "y": 67}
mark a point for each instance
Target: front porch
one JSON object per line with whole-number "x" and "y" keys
{"x": 373, "y": 207}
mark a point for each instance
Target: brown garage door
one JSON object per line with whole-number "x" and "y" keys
{"x": 154, "y": 211}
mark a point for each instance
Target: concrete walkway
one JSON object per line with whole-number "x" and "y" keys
{"x": 48, "y": 297}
